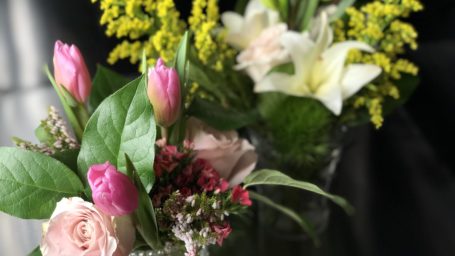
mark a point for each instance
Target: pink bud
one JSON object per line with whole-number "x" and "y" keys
{"x": 164, "y": 93}
{"x": 112, "y": 191}
{"x": 71, "y": 72}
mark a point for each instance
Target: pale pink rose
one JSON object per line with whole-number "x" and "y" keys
{"x": 112, "y": 191}
{"x": 77, "y": 227}
{"x": 264, "y": 53}
{"x": 233, "y": 157}
{"x": 71, "y": 71}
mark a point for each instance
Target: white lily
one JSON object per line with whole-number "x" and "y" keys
{"x": 320, "y": 70}
{"x": 242, "y": 30}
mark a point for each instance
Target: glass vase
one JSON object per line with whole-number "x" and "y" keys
{"x": 170, "y": 250}
{"x": 278, "y": 233}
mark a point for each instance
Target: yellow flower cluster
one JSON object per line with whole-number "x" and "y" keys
{"x": 153, "y": 26}
{"x": 379, "y": 24}
{"x": 208, "y": 40}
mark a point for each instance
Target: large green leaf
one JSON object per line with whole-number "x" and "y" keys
{"x": 300, "y": 220}
{"x": 105, "y": 83}
{"x": 31, "y": 183}
{"x": 144, "y": 216}
{"x": 272, "y": 177}
{"x": 219, "y": 117}
{"x": 123, "y": 123}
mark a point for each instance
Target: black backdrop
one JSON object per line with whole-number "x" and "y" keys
{"x": 400, "y": 178}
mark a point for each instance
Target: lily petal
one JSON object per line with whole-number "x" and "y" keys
{"x": 356, "y": 76}
{"x": 330, "y": 96}
{"x": 335, "y": 57}
{"x": 299, "y": 45}
{"x": 276, "y": 82}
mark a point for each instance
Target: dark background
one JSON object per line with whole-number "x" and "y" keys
{"x": 400, "y": 178}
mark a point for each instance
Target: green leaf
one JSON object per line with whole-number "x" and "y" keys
{"x": 306, "y": 13}
{"x": 341, "y": 8}
{"x": 32, "y": 183}
{"x": 181, "y": 58}
{"x": 68, "y": 157}
{"x": 105, "y": 83}
{"x": 144, "y": 216}
{"x": 35, "y": 252}
{"x": 220, "y": 118}
{"x": 123, "y": 123}
{"x": 303, "y": 223}
{"x": 272, "y": 177}
{"x": 70, "y": 114}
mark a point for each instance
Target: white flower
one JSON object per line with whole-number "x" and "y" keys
{"x": 320, "y": 70}
{"x": 264, "y": 53}
{"x": 242, "y": 30}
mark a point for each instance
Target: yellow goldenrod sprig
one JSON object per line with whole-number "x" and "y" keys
{"x": 379, "y": 24}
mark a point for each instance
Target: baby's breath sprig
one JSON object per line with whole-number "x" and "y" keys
{"x": 58, "y": 138}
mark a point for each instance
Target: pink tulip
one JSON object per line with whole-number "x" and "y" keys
{"x": 112, "y": 191}
{"x": 164, "y": 93}
{"x": 71, "y": 72}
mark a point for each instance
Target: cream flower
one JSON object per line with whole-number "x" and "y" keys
{"x": 264, "y": 53}
{"x": 242, "y": 30}
{"x": 320, "y": 70}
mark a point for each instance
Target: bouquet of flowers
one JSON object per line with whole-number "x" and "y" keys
{"x": 165, "y": 160}
{"x": 295, "y": 74}
{"x": 141, "y": 171}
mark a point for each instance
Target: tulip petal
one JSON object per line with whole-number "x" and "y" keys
{"x": 356, "y": 76}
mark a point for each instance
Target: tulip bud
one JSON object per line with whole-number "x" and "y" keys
{"x": 71, "y": 72}
{"x": 164, "y": 93}
{"x": 112, "y": 191}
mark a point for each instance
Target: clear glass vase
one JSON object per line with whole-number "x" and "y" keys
{"x": 277, "y": 232}
{"x": 170, "y": 250}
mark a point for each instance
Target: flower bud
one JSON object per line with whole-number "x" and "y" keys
{"x": 71, "y": 72}
{"x": 112, "y": 191}
{"x": 164, "y": 93}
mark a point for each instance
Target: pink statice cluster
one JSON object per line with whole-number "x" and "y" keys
{"x": 192, "y": 201}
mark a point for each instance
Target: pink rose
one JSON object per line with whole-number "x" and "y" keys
{"x": 241, "y": 196}
{"x": 71, "y": 72}
{"x": 112, "y": 191}
{"x": 232, "y": 157}
{"x": 78, "y": 228}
